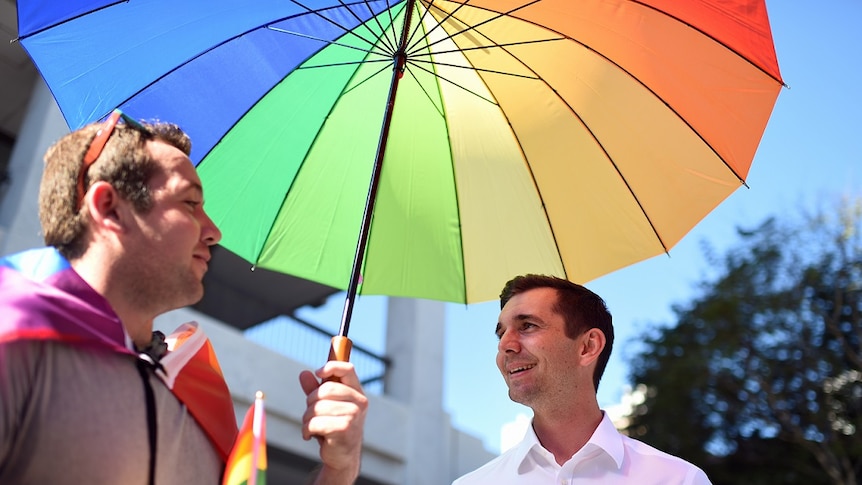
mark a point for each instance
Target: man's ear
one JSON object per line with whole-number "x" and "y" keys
{"x": 593, "y": 341}
{"x": 104, "y": 205}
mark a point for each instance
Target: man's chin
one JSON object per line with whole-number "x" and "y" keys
{"x": 521, "y": 396}
{"x": 193, "y": 295}
{"x": 197, "y": 296}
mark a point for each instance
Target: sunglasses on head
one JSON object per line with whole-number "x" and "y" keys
{"x": 98, "y": 145}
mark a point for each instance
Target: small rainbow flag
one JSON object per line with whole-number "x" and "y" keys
{"x": 246, "y": 464}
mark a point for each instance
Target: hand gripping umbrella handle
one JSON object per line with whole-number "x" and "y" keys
{"x": 339, "y": 350}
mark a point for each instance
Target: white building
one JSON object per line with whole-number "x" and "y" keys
{"x": 408, "y": 437}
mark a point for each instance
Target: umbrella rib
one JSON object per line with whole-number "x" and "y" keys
{"x": 412, "y": 45}
{"x": 325, "y": 41}
{"x": 346, "y": 63}
{"x": 268, "y": 26}
{"x": 430, "y": 4}
{"x": 575, "y": 113}
{"x": 391, "y": 19}
{"x": 442, "y": 111}
{"x": 645, "y": 86}
{"x": 331, "y": 109}
{"x": 83, "y": 14}
{"x": 382, "y": 35}
{"x": 346, "y": 30}
{"x": 672, "y": 110}
{"x": 707, "y": 35}
{"x": 483, "y": 47}
{"x": 419, "y": 23}
{"x": 611, "y": 61}
{"x": 388, "y": 42}
{"x": 455, "y": 179}
{"x": 416, "y": 62}
{"x": 428, "y": 95}
{"x": 365, "y": 80}
{"x": 453, "y": 82}
{"x": 503, "y": 112}
{"x": 471, "y": 27}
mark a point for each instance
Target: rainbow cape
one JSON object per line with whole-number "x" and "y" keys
{"x": 43, "y": 298}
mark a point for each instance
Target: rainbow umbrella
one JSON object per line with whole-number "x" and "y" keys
{"x": 433, "y": 149}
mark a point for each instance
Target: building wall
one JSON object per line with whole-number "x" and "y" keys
{"x": 408, "y": 437}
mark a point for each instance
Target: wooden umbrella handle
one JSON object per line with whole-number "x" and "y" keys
{"x": 339, "y": 350}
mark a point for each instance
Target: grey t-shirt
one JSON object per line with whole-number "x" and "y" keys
{"x": 71, "y": 415}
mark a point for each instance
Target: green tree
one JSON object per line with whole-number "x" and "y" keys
{"x": 760, "y": 379}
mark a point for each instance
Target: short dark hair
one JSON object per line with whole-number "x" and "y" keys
{"x": 580, "y": 308}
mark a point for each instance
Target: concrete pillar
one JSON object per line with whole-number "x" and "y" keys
{"x": 19, "y": 209}
{"x": 415, "y": 342}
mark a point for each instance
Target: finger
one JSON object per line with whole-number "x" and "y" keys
{"x": 344, "y": 371}
{"x": 308, "y": 382}
{"x": 330, "y": 404}
{"x": 324, "y": 418}
{"x": 329, "y": 427}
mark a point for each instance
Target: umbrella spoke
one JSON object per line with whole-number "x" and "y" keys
{"x": 389, "y": 43}
{"x": 484, "y": 47}
{"x": 347, "y": 63}
{"x": 360, "y": 83}
{"x": 345, "y": 29}
{"x": 417, "y": 62}
{"x": 425, "y": 91}
{"x": 373, "y": 50}
{"x": 410, "y": 41}
{"x": 438, "y": 76}
{"x": 468, "y": 29}
{"x": 382, "y": 37}
{"x": 414, "y": 46}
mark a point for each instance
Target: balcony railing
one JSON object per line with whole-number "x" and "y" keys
{"x": 309, "y": 344}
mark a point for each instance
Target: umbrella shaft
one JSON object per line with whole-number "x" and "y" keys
{"x": 399, "y": 59}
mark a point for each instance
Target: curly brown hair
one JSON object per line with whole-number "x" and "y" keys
{"x": 125, "y": 163}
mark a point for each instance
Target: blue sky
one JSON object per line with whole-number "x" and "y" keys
{"x": 810, "y": 155}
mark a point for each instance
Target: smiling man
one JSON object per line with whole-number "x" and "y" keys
{"x": 88, "y": 392}
{"x": 555, "y": 339}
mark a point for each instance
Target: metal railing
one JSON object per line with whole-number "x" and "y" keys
{"x": 309, "y": 344}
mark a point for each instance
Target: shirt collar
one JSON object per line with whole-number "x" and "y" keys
{"x": 609, "y": 440}
{"x": 606, "y": 438}
{"x": 523, "y": 449}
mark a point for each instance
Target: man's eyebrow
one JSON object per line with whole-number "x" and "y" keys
{"x": 187, "y": 185}
{"x": 521, "y": 317}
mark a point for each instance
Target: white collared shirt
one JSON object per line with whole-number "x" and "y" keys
{"x": 609, "y": 458}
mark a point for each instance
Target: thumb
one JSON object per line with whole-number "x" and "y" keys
{"x": 308, "y": 382}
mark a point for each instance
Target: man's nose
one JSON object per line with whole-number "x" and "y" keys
{"x": 210, "y": 233}
{"x": 509, "y": 342}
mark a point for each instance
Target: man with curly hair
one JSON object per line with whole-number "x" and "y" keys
{"x": 90, "y": 393}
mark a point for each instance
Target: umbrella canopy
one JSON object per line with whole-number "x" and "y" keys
{"x": 544, "y": 136}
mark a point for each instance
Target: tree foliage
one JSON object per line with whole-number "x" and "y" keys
{"x": 760, "y": 379}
